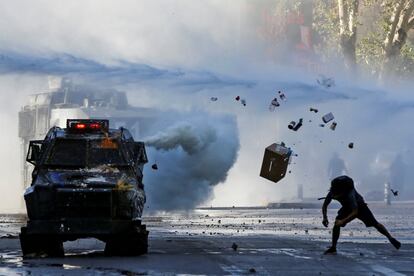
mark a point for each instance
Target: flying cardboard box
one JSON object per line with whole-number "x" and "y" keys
{"x": 275, "y": 162}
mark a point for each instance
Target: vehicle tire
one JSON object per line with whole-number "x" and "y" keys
{"x": 36, "y": 245}
{"x": 127, "y": 245}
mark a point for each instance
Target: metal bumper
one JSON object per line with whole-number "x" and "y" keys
{"x": 83, "y": 228}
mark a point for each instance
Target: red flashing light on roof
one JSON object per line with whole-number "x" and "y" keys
{"x": 87, "y": 125}
{"x": 95, "y": 126}
{"x": 80, "y": 126}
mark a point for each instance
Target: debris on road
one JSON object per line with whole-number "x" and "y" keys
{"x": 234, "y": 246}
{"x": 321, "y": 125}
{"x": 313, "y": 110}
{"x": 243, "y": 102}
{"x": 237, "y": 98}
{"x": 328, "y": 117}
{"x": 213, "y": 99}
{"x": 351, "y": 145}
{"x": 395, "y": 193}
{"x": 333, "y": 125}
{"x": 9, "y": 236}
{"x": 154, "y": 166}
{"x": 252, "y": 270}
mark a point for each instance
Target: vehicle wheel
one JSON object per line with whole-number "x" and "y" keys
{"x": 127, "y": 245}
{"x": 34, "y": 245}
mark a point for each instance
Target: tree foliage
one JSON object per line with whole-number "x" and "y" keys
{"x": 373, "y": 34}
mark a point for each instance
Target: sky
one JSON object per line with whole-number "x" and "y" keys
{"x": 176, "y": 55}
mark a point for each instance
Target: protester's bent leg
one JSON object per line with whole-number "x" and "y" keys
{"x": 336, "y": 231}
{"x": 381, "y": 228}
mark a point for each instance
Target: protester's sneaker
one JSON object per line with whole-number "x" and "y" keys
{"x": 396, "y": 243}
{"x": 330, "y": 251}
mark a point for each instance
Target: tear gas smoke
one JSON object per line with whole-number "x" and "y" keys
{"x": 185, "y": 135}
{"x": 193, "y": 155}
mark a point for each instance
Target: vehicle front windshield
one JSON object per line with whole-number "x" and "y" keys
{"x": 86, "y": 153}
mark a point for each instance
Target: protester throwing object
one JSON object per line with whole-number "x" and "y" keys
{"x": 353, "y": 206}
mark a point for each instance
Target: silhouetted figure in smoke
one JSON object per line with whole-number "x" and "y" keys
{"x": 353, "y": 206}
{"x": 336, "y": 167}
{"x": 397, "y": 173}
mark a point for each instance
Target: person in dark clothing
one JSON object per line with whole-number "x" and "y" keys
{"x": 353, "y": 206}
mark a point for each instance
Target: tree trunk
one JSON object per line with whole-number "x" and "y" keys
{"x": 401, "y": 22}
{"x": 348, "y": 13}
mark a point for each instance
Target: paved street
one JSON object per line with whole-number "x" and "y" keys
{"x": 200, "y": 243}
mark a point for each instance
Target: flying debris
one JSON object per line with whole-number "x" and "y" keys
{"x": 213, "y": 99}
{"x": 291, "y": 125}
{"x": 275, "y": 162}
{"x": 295, "y": 126}
{"x": 395, "y": 193}
{"x": 237, "y": 98}
{"x": 313, "y": 110}
{"x": 325, "y": 81}
{"x": 282, "y": 96}
{"x": 351, "y": 145}
{"x": 154, "y": 166}
{"x": 274, "y": 103}
{"x": 328, "y": 117}
{"x": 333, "y": 125}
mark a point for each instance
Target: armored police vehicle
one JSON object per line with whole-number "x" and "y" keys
{"x": 86, "y": 183}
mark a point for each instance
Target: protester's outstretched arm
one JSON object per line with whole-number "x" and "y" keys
{"x": 326, "y": 202}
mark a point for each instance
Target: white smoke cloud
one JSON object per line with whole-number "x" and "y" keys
{"x": 184, "y": 135}
{"x": 173, "y": 33}
{"x": 193, "y": 155}
{"x": 15, "y": 89}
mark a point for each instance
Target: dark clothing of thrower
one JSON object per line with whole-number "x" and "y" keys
{"x": 353, "y": 202}
{"x": 353, "y": 206}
